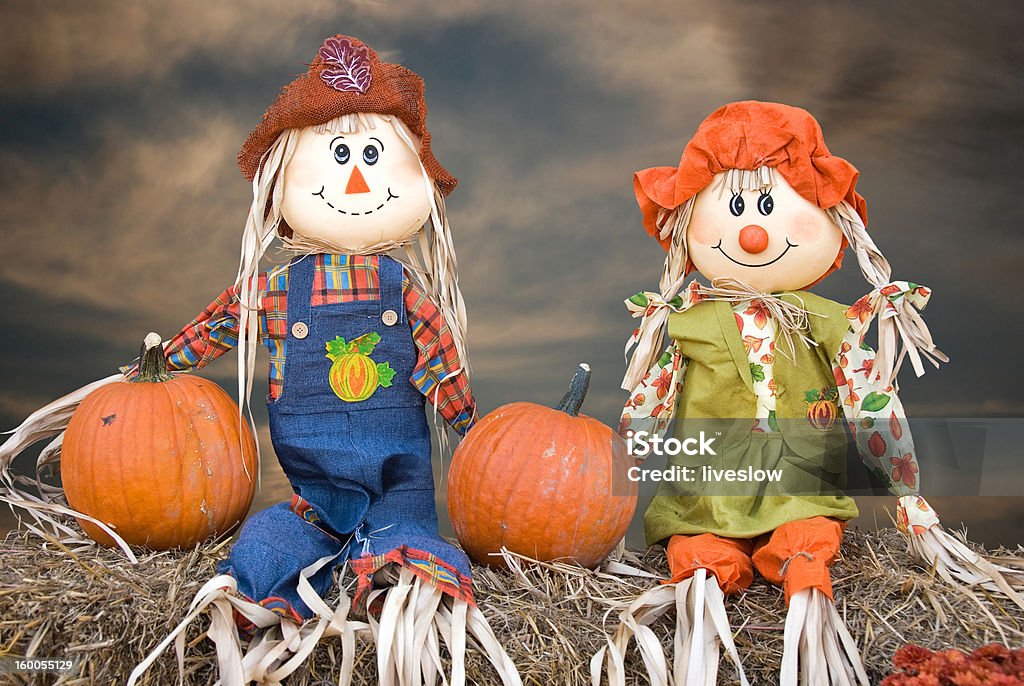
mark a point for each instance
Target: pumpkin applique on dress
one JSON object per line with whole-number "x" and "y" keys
{"x": 822, "y": 410}
{"x": 354, "y": 375}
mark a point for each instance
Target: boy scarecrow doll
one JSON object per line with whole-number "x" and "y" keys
{"x": 342, "y": 173}
{"x": 760, "y": 207}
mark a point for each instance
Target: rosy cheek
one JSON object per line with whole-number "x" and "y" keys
{"x": 808, "y": 227}
{"x": 702, "y": 233}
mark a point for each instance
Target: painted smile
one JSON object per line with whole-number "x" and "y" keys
{"x": 320, "y": 194}
{"x": 765, "y": 264}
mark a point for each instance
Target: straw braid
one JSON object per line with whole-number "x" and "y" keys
{"x": 898, "y": 319}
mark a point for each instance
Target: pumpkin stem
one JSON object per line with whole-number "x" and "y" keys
{"x": 152, "y": 362}
{"x": 573, "y": 399}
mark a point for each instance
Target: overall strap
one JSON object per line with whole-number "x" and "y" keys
{"x": 391, "y": 276}
{"x": 300, "y": 287}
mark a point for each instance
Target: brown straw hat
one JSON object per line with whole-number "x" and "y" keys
{"x": 346, "y": 77}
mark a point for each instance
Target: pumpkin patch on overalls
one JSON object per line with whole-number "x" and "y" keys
{"x": 354, "y": 376}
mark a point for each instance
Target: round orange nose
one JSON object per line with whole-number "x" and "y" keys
{"x": 753, "y": 239}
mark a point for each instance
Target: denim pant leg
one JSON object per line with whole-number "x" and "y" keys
{"x": 408, "y": 517}
{"x": 272, "y": 549}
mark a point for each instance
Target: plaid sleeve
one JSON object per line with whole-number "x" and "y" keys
{"x": 437, "y": 362}
{"x": 212, "y": 333}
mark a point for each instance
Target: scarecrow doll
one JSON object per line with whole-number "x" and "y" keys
{"x": 343, "y": 175}
{"x": 773, "y": 372}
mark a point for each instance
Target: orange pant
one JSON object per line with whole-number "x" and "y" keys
{"x": 796, "y": 555}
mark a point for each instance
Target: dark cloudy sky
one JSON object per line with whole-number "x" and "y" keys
{"x": 122, "y": 208}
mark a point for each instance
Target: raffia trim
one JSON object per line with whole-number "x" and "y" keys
{"x": 790, "y": 320}
{"x": 702, "y": 628}
{"x": 50, "y": 510}
{"x": 416, "y": 618}
{"x": 960, "y": 566}
{"x": 298, "y": 244}
{"x": 817, "y": 646}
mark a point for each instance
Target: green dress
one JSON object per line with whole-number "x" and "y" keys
{"x": 806, "y": 453}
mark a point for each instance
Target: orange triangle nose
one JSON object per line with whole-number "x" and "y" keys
{"x": 356, "y": 182}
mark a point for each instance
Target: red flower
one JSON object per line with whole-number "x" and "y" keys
{"x": 663, "y": 383}
{"x": 869, "y": 364}
{"x": 860, "y": 309}
{"x": 760, "y": 312}
{"x": 904, "y": 469}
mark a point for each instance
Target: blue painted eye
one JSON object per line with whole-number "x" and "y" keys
{"x": 371, "y": 155}
{"x": 341, "y": 153}
{"x": 765, "y": 204}
{"x": 736, "y": 205}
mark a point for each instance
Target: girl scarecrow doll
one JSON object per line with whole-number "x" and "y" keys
{"x": 760, "y": 207}
{"x": 342, "y": 172}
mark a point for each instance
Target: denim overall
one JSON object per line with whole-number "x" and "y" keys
{"x": 360, "y": 469}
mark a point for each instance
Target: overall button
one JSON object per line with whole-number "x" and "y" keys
{"x": 300, "y": 330}
{"x": 390, "y": 317}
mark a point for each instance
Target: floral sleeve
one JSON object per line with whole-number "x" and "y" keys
{"x": 879, "y": 427}
{"x": 652, "y": 403}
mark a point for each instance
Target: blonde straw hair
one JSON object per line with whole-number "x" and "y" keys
{"x": 429, "y": 258}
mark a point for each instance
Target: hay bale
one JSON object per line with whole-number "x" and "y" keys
{"x": 93, "y": 605}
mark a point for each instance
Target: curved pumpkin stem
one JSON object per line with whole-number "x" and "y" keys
{"x": 573, "y": 399}
{"x": 152, "y": 362}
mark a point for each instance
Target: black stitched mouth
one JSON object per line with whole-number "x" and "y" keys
{"x": 320, "y": 194}
{"x": 788, "y": 246}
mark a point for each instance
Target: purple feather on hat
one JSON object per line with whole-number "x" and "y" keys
{"x": 349, "y": 68}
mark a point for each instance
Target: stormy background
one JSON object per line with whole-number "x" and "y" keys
{"x": 122, "y": 207}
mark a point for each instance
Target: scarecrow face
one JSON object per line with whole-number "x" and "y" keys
{"x": 774, "y": 241}
{"x": 355, "y": 190}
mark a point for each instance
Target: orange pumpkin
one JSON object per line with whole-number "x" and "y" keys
{"x": 546, "y": 483}
{"x": 822, "y": 414}
{"x": 353, "y": 377}
{"x": 164, "y": 460}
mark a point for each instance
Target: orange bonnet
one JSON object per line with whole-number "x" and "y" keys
{"x": 749, "y": 135}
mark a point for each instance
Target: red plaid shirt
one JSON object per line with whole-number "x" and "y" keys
{"x": 337, "y": 278}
